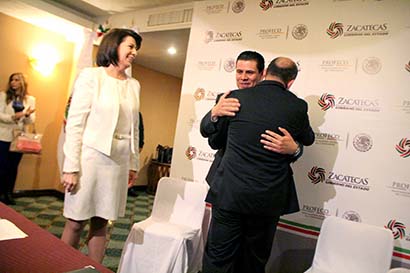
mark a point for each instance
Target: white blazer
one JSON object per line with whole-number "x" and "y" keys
{"x": 7, "y": 124}
{"x": 93, "y": 115}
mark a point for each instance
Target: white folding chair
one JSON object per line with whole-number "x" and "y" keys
{"x": 346, "y": 246}
{"x": 169, "y": 241}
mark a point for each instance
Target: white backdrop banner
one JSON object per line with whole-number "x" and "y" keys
{"x": 354, "y": 60}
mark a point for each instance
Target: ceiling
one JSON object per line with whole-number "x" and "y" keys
{"x": 153, "y": 53}
{"x": 94, "y": 8}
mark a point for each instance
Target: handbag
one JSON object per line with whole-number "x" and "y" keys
{"x": 27, "y": 143}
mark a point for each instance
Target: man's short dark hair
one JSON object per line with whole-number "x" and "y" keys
{"x": 252, "y": 56}
{"x": 108, "y": 50}
{"x": 283, "y": 68}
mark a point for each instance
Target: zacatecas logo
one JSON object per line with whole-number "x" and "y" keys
{"x": 267, "y": 4}
{"x": 230, "y": 36}
{"x": 403, "y": 148}
{"x": 201, "y": 94}
{"x": 362, "y": 142}
{"x": 318, "y": 174}
{"x": 337, "y": 29}
{"x": 327, "y": 101}
{"x": 193, "y": 153}
{"x": 398, "y": 229}
{"x": 190, "y": 152}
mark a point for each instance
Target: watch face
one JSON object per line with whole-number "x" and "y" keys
{"x": 18, "y": 106}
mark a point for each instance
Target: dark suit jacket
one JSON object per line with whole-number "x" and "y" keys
{"x": 251, "y": 179}
{"x": 217, "y": 141}
{"x": 208, "y": 129}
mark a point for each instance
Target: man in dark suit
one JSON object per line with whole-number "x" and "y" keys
{"x": 253, "y": 186}
{"x": 249, "y": 71}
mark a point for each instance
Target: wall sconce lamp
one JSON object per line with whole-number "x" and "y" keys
{"x": 44, "y": 58}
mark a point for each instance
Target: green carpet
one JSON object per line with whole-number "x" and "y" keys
{"x": 46, "y": 211}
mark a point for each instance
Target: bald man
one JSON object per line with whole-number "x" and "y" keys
{"x": 253, "y": 185}
{"x": 249, "y": 70}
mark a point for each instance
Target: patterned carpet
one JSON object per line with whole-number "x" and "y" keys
{"x": 46, "y": 211}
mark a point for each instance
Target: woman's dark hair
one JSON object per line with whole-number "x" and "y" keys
{"x": 108, "y": 51}
{"x": 11, "y": 93}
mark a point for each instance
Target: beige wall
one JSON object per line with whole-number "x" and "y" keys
{"x": 17, "y": 39}
{"x": 159, "y": 99}
{"x": 160, "y": 94}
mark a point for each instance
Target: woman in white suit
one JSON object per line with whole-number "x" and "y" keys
{"x": 101, "y": 145}
{"x": 16, "y": 110}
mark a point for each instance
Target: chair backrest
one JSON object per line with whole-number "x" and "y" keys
{"x": 347, "y": 246}
{"x": 180, "y": 202}
{"x": 399, "y": 270}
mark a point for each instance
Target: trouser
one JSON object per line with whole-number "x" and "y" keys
{"x": 238, "y": 243}
{"x": 9, "y": 162}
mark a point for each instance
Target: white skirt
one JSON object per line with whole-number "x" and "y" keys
{"x": 103, "y": 184}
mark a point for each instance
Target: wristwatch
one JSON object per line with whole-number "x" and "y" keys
{"x": 214, "y": 119}
{"x": 297, "y": 152}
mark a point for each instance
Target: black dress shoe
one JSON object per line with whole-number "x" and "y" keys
{"x": 3, "y": 198}
{"x": 132, "y": 192}
{"x": 9, "y": 199}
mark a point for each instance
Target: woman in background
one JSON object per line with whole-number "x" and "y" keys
{"x": 16, "y": 109}
{"x": 101, "y": 144}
